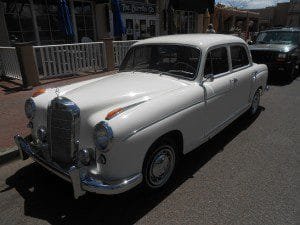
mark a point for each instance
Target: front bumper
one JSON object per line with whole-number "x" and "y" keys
{"x": 81, "y": 183}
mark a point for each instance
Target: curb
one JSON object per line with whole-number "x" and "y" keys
{"x": 9, "y": 155}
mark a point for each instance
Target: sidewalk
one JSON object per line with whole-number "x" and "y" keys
{"x": 12, "y": 98}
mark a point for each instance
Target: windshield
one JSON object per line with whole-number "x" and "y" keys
{"x": 278, "y": 37}
{"x": 173, "y": 60}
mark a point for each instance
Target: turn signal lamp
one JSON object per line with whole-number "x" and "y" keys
{"x": 113, "y": 113}
{"x": 39, "y": 92}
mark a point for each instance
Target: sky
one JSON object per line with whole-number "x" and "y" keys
{"x": 253, "y": 4}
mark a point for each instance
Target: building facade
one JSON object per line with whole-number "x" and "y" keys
{"x": 231, "y": 20}
{"x": 285, "y": 14}
{"x": 38, "y": 21}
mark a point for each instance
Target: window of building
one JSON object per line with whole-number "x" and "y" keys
{"x": 129, "y": 29}
{"x": 151, "y": 28}
{"x": 185, "y": 22}
{"x": 48, "y": 23}
{"x": 216, "y": 61}
{"x": 239, "y": 56}
{"x": 84, "y": 20}
{"x": 19, "y": 22}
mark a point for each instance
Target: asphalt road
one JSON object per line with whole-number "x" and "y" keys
{"x": 245, "y": 175}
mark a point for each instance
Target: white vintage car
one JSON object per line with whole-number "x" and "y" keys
{"x": 172, "y": 93}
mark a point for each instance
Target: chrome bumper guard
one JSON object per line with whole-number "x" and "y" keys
{"x": 80, "y": 184}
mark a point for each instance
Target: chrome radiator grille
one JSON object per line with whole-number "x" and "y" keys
{"x": 63, "y": 129}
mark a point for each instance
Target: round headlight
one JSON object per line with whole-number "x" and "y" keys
{"x": 30, "y": 108}
{"x": 102, "y": 136}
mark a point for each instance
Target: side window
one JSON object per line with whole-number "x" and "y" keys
{"x": 216, "y": 61}
{"x": 239, "y": 56}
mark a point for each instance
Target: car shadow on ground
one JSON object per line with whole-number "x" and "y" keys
{"x": 280, "y": 78}
{"x": 50, "y": 198}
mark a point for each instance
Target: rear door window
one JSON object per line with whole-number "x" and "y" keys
{"x": 239, "y": 56}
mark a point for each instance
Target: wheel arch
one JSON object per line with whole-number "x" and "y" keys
{"x": 175, "y": 135}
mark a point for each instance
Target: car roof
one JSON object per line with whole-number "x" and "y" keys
{"x": 197, "y": 40}
{"x": 291, "y": 29}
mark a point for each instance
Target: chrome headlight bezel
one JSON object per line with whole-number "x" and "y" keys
{"x": 30, "y": 108}
{"x": 103, "y": 136}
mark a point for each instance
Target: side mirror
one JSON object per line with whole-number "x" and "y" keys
{"x": 250, "y": 42}
{"x": 208, "y": 77}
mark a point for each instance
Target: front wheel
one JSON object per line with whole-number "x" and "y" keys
{"x": 255, "y": 103}
{"x": 160, "y": 164}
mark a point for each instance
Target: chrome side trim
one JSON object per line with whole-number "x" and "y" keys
{"x": 162, "y": 118}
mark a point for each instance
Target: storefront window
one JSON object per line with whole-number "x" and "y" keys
{"x": 84, "y": 20}
{"x": 185, "y": 21}
{"x": 48, "y": 23}
{"x": 129, "y": 29}
{"x": 19, "y": 21}
{"x": 152, "y": 28}
{"x": 143, "y": 29}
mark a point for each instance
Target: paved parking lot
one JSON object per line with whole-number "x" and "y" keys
{"x": 245, "y": 175}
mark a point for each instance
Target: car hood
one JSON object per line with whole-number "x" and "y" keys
{"x": 272, "y": 47}
{"x": 120, "y": 90}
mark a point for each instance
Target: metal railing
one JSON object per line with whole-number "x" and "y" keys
{"x": 9, "y": 63}
{"x": 59, "y": 60}
{"x": 120, "y": 50}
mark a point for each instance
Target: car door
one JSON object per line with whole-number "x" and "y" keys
{"x": 218, "y": 105}
{"x": 242, "y": 73}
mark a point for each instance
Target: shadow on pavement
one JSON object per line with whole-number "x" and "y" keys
{"x": 50, "y": 198}
{"x": 280, "y": 79}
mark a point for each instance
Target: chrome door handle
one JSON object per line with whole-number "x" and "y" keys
{"x": 234, "y": 80}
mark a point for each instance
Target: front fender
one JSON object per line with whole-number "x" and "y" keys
{"x": 127, "y": 155}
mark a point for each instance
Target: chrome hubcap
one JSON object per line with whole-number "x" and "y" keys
{"x": 161, "y": 167}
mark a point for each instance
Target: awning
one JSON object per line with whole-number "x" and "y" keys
{"x": 198, "y": 6}
{"x": 119, "y": 28}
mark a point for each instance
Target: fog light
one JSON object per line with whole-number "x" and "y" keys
{"x": 42, "y": 134}
{"x": 84, "y": 156}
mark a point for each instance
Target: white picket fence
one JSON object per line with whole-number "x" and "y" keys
{"x": 59, "y": 60}
{"x": 9, "y": 64}
{"x": 120, "y": 50}
{"x": 64, "y": 59}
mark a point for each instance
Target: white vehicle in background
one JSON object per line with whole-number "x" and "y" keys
{"x": 172, "y": 93}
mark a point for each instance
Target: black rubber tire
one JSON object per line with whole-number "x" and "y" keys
{"x": 254, "y": 104}
{"x": 154, "y": 149}
{"x": 292, "y": 72}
